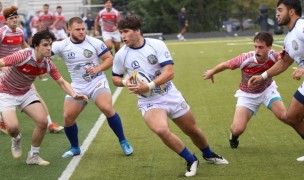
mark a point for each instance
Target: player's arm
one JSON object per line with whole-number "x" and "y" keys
{"x": 67, "y": 88}
{"x": 218, "y": 68}
{"x": 54, "y": 23}
{"x": 96, "y": 25}
{"x": 107, "y": 62}
{"x": 2, "y": 64}
{"x": 276, "y": 69}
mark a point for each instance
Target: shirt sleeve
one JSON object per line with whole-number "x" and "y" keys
{"x": 163, "y": 53}
{"x": 17, "y": 58}
{"x": 99, "y": 45}
{"x": 236, "y": 62}
{"x": 54, "y": 72}
{"x": 118, "y": 68}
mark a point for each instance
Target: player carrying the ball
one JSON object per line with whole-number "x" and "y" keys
{"x": 152, "y": 57}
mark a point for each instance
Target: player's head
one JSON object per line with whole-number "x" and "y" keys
{"x": 262, "y": 45}
{"x": 42, "y": 42}
{"x": 129, "y": 28}
{"x": 108, "y": 4}
{"x": 46, "y": 7}
{"x": 183, "y": 10}
{"x": 288, "y": 10}
{"x": 11, "y": 17}
{"x": 76, "y": 28}
{"x": 292, "y": 4}
{"x": 59, "y": 9}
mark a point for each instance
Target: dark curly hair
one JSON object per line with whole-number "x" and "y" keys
{"x": 130, "y": 22}
{"x": 44, "y": 34}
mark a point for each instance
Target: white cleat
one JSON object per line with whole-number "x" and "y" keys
{"x": 300, "y": 159}
{"x": 191, "y": 168}
{"x": 216, "y": 159}
{"x": 16, "y": 147}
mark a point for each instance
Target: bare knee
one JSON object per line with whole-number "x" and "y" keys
{"x": 237, "y": 130}
{"x": 163, "y": 133}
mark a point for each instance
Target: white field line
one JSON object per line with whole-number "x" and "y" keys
{"x": 67, "y": 173}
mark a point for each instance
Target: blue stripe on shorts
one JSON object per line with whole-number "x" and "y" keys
{"x": 299, "y": 97}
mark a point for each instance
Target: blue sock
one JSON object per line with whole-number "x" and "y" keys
{"x": 207, "y": 152}
{"x": 72, "y": 135}
{"x": 116, "y": 125}
{"x": 187, "y": 155}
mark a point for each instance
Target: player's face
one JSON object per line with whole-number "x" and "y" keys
{"x": 44, "y": 48}
{"x": 261, "y": 50}
{"x": 46, "y": 9}
{"x": 131, "y": 37}
{"x": 77, "y": 32}
{"x": 12, "y": 22}
{"x": 282, "y": 14}
{"x": 108, "y": 5}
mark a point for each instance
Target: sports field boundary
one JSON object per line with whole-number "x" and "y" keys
{"x": 67, "y": 173}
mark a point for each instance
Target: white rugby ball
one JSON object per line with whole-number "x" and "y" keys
{"x": 138, "y": 76}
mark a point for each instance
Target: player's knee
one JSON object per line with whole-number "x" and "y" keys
{"x": 237, "y": 130}
{"x": 162, "y": 132}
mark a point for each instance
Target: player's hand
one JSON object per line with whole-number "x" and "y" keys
{"x": 208, "y": 75}
{"x": 81, "y": 97}
{"x": 42, "y": 76}
{"x": 96, "y": 33}
{"x": 92, "y": 70}
{"x": 298, "y": 73}
{"x": 255, "y": 79}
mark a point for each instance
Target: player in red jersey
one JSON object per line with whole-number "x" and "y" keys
{"x": 2, "y": 19}
{"x": 108, "y": 19}
{"x": 59, "y": 27}
{"x": 46, "y": 17}
{"x": 12, "y": 40}
{"x": 251, "y": 97}
{"x": 16, "y": 91}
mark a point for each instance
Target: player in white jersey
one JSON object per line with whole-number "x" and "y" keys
{"x": 108, "y": 19}
{"x": 153, "y": 57}
{"x": 289, "y": 14}
{"x": 250, "y": 98}
{"x": 81, "y": 54}
{"x": 16, "y": 92}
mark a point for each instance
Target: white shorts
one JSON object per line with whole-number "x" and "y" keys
{"x": 173, "y": 103}
{"x": 59, "y": 34}
{"x": 92, "y": 89}
{"x": 114, "y": 36}
{"x": 10, "y": 102}
{"x": 253, "y": 101}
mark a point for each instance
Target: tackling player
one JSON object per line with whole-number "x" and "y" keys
{"x": 153, "y": 57}
{"x": 289, "y": 14}
{"x": 249, "y": 99}
{"x": 16, "y": 91}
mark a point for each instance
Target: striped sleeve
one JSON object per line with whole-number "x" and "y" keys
{"x": 17, "y": 57}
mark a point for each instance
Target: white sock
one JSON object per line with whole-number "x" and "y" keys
{"x": 49, "y": 120}
{"x": 17, "y": 137}
{"x": 34, "y": 150}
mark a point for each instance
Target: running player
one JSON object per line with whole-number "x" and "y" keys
{"x": 108, "y": 18}
{"x": 81, "y": 54}
{"x": 153, "y": 57}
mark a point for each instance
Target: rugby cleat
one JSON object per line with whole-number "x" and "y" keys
{"x": 216, "y": 159}
{"x": 73, "y": 151}
{"x": 54, "y": 128}
{"x": 126, "y": 147}
{"x": 35, "y": 159}
{"x": 192, "y": 168}
{"x": 16, "y": 147}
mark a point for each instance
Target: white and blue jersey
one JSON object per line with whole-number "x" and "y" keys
{"x": 294, "y": 42}
{"x": 149, "y": 58}
{"x": 79, "y": 56}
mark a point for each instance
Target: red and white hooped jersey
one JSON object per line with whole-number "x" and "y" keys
{"x": 2, "y": 20}
{"x": 249, "y": 66}
{"x": 23, "y": 68}
{"x": 46, "y": 19}
{"x": 10, "y": 41}
{"x": 61, "y": 21}
{"x": 109, "y": 19}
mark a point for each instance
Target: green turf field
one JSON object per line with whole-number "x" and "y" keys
{"x": 268, "y": 149}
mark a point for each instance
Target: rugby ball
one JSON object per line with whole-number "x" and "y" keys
{"x": 138, "y": 76}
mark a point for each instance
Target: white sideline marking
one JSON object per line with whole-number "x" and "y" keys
{"x": 67, "y": 173}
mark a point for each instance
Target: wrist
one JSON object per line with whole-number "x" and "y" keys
{"x": 264, "y": 75}
{"x": 151, "y": 85}
{"x": 124, "y": 82}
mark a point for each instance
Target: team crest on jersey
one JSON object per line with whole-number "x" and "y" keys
{"x": 87, "y": 53}
{"x": 295, "y": 45}
{"x": 135, "y": 65}
{"x": 184, "y": 105}
{"x": 167, "y": 54}
{"x": 71, "y": 55}
{"x": 152, "y": 59}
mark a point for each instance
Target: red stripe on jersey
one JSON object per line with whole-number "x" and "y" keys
{"x": 28, "y": 69}
{"x": 2, "y": 18}
{"x": 108, "y": 16}
{"x": 13, "y": 40}
{"x": 45, "y": 17}
{"x": 60, "y": 18}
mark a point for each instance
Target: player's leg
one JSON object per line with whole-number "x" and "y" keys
{"x": 12, "y": 124}
{"x": 103, "y": 100}
{"x": 156, "y": 120}
{"x": 187, "y": 123}
{"x": 116, "y": 40}
{"x": 71, "y": 110}
{"x": 242, "y": 115}
{"x": 107, "y": 38}
{"x": 52, "y": 127}
{"x": 37, "y": 113}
